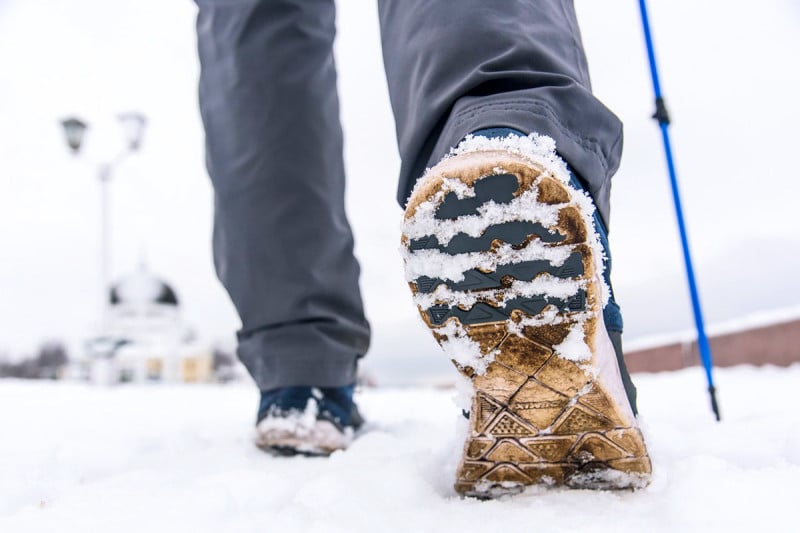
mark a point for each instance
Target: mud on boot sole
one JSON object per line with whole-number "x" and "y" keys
{"x": 504, "y": 263}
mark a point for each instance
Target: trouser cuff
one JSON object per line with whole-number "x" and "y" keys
{"x": 594, "y": 162}
{"x": 293, "y": 355}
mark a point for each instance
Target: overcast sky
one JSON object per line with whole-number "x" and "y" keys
{"x": 729, "y": 71}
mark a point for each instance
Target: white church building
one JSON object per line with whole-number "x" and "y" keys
{"x": 145, "y": 338}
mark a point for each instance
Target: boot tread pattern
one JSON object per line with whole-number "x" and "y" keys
{"x": 536, "y": 416}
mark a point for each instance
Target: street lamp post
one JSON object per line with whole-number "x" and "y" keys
{"x": 133, "y": 128}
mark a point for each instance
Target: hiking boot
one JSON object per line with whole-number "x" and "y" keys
{"x": 307, "y": 420}
{"x": 505, "y": 260}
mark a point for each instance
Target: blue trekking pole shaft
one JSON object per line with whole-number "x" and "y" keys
{"x": 662, "y": 116}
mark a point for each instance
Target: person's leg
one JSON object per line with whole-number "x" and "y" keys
{"x": 505, "y": 257}
{"x": 282, "y": 244}
{"x": 455, "y": 68}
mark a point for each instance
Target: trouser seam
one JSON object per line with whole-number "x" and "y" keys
{"x": 580, "y": 62}
{"x": 545, "y": 112}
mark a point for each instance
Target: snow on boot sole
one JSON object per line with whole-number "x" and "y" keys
{"x": 284, "y": 437}
{"x": 506, "y": 269}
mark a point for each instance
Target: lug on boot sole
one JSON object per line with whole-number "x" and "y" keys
{"x": 501, "y": 259}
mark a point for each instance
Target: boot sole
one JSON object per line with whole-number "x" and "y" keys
{"x": 322, "y": 438}
{"x": 503, "y": 261}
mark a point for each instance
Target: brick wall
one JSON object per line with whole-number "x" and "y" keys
{"x": 777, "y": 344}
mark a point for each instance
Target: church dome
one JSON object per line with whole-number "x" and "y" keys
{"x": 142, "y": 287}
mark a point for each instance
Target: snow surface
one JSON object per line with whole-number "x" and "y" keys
{"x": 180, "y": 458}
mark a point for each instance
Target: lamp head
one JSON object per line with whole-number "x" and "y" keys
{"x": 74, "y": 129}
{"x": 133, "y": 124}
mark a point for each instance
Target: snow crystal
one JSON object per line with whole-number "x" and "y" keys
{"x": 550, "y": 315}
{"x": 574, "y": 347}
{"x": 461, "y": 189}
{"x": 524, "y": 207}
{"x": 436, "y": 264}
{"x": 464, "y": 392}
{"x": 501, "y": 490}
{"x": 544, "y": 284}
{"x": 610, "y": 479}
{"x": 540, "y": 149}
{"x": 302, "y": 430}
{"x": 462, "y": 349}
{"x": 296, "y": 421}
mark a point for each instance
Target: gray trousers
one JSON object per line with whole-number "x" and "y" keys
{"x": 283, "y": 247}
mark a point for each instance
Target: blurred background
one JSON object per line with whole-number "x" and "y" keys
{"x": 728, "y": 70}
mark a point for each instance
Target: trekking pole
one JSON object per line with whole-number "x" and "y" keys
{"x": 662, "y": 116}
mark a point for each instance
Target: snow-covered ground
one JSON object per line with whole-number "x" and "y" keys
{"x": 78, "y": 458}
